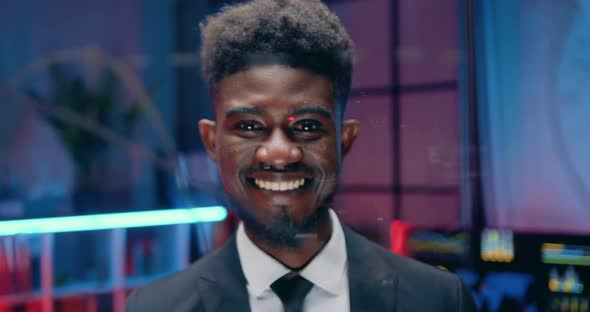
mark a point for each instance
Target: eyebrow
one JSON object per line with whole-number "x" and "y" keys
{"x": 312, "y": 109}
{"x": 240, "y": 110}
{"x": 302, "y": 110}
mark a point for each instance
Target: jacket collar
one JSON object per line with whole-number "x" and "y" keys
{"x": 223, "y": 285}
{"x": 372, "y": 282}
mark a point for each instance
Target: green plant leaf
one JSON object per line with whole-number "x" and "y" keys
{"x": 106, "y": 94}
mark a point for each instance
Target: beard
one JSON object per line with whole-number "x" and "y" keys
{"x": 283, "y": 231}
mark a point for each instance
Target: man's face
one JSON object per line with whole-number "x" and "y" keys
{"x": 278, "y": 141}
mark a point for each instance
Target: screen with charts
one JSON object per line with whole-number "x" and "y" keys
{"x": 545, "y": 271}
{"x": 507, "y": 270}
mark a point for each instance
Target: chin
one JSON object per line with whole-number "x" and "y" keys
{"x": 283, "y": 229}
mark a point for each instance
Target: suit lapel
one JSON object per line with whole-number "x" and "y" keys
{"x": 372, "y": 283}
{"x": 223, "y": 287}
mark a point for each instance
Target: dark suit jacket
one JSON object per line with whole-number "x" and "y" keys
{"x": 378, "y": 279}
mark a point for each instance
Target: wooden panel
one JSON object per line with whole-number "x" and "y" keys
{"x": 370, "y": 159}
{"x": 368, "y": 23}
{"x": 436, "y": 211}
{"x": 428, "y": 41}
{"x": 430, "y": 139}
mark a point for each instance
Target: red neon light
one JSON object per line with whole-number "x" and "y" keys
{"x": 399, "y": 232}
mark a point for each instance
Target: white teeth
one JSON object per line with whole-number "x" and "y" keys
{"x": 279, "y": 186}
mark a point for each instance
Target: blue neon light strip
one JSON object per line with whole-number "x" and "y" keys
{"x": 112, "y": 221}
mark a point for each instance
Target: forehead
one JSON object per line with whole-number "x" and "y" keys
{"x": 275, "y": 87}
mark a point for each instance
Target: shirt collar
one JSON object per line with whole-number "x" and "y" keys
{"x": 260, "y": 269}
{"x": 327, "y": 270}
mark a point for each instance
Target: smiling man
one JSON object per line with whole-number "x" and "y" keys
{"x": 279, "y": 73}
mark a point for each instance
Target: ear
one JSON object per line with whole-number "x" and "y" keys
{"x": 350, "y": 130}
{"x": 207, "y": 131}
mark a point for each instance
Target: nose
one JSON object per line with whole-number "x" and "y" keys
{"x": 278, "y": 150}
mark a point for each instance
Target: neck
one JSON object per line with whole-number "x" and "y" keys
{"x": 297, "y": 257}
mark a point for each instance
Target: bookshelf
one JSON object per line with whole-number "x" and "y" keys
{"x": 104, "y": 259}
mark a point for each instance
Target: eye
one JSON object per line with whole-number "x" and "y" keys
{"x": 249, "y": 125}
{"x": 308, "y": 125}
{"x": 248, "y": 128}
{"x": 308, "y": 129}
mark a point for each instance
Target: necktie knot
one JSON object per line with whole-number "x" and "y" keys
{"x": 292, "y": 291}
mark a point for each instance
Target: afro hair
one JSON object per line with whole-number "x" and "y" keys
{"x": 297, "y": 33}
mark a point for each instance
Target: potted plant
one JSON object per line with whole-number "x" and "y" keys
{"x": 100, "y": 106}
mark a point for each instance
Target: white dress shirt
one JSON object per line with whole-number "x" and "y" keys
{"x": 328, "y": 272}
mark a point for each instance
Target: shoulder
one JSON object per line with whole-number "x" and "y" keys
{"x": 410, "y": 270}
{"x": 416, "y": 280}
{"x": 173, "y": 292}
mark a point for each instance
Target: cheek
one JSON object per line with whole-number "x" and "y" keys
{"x": 325, "y": 158}
{"x": 233, "y": 157}
{"x": 233, "y": 151}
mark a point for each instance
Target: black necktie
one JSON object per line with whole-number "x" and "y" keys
{"x": 292, "y": 291}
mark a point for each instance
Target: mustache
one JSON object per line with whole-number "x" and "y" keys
{"x": 292, "y": 167}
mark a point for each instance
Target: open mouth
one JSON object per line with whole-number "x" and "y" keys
{"x": 280, "y": 186}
